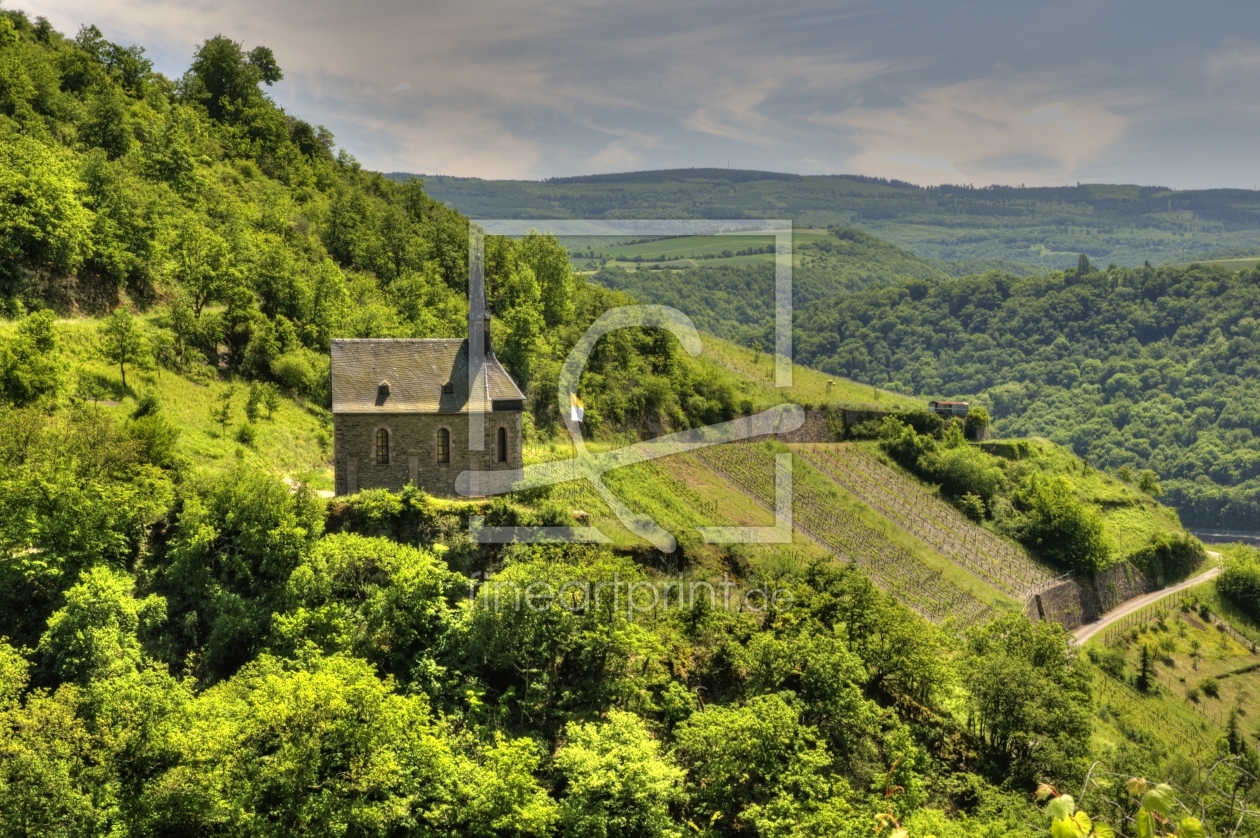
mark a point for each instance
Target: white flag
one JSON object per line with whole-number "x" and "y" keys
{"x": 577, "y": 410}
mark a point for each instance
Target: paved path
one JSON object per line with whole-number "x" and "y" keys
{"x": 1088, "y": 630}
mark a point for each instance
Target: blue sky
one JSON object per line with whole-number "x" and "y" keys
{"x": 1152, "y": 92}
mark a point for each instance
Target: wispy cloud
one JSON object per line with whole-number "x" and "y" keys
{"x": 1233, "y": 58}
{"x": 985, "y": 131}
{"x": 1037, "y": 92}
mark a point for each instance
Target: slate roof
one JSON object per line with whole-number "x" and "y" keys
{"x": 416, "y": 370}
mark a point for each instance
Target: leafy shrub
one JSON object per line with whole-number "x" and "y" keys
{"x": 1211, "y": 687}
{"x": 1055, "y": 523}
{"x": 1170, "y": 556}
{"x": 295, "y": 373}
{"x": 617, "y": 782}
{"x": 1148, "y": 481}
{"x": 972, "y": 505}
{"x": 977, "y": 423}
{"x": 246, "y": 434}
{"x": 957, "y": 467}
{"x": 550, "y": 514}
{"x": 1109, "y": 659}
{"x": 371, "y": 597}
{"x": 867, "y": 429}
{"x": 30, "y": 366}
{"x": 95, "y": 633}
{"x": 740, "y": 758}
{"x": 146, "y": 405}
{"x": 237, "y": 537}
{"x": 922, "y": 421}
{"x": 1240, "y": 578}
{"x": 42, "y": 221}
{"x": 903, "y": 444}
{"x": 158, "y": 438}
{"x": 337, "y": 744}
{"x": 407, "y": 516}
{"x": 962, "y": 470}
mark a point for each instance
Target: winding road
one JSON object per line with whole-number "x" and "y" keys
{"x": 1088, "y": 630}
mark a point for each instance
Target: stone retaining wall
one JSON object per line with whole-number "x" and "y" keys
{"x": 1083, "y": 599}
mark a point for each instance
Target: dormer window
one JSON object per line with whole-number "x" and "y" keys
{"x": 382, "y": 389}
{"x": 448, "y": 389}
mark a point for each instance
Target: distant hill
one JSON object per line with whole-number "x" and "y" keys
{"x": 1044, "y": 227}
{"x": 737, "y": 301}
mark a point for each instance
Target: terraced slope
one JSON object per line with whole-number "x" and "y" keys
{"x": 908, "y": 505}
{"x": 894, "y": 568}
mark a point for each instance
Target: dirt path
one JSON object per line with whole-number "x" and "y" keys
{"x": 1088, "y": 630}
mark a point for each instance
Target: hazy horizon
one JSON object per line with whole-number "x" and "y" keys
{"x": 550, "y": 178}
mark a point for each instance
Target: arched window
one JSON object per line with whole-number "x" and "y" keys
{"x": 444, "y": 445}
{"x": 382, "y": 447}
{"x": 503, "y": 445}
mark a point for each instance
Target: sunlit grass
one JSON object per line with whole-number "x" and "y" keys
{"x": 294, "y": 443}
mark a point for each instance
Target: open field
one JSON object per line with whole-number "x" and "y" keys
{"x": 683, "y": 251}
{"x": 1245, "y": 263}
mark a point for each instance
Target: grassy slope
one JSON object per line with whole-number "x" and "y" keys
{"x": 809, "y": 386}
{"x": 681, "y": 493}
{"x": 1131, "y": 518}
{"x": 288, "y": 445}
{"x": 1179, "y": 712}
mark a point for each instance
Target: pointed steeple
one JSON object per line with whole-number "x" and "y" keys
{"x": 478, "y": 313}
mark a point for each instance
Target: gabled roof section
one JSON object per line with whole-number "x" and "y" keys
{"x": 416, "y": 371}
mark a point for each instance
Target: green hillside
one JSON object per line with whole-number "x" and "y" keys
{"x": 737, "y": 301}
{"x": 293, "y": 442}
{"x": 196, "y": 639}
{"x": 1134, "y": 369}
{"x": 1045, "y": 227}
